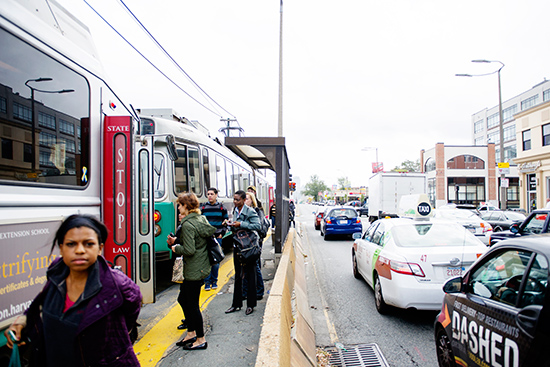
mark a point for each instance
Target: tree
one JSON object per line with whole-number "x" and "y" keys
{"x": 343, "y": 183}
{"x": 408, "y": 166}
{"x": 314, "y": 186}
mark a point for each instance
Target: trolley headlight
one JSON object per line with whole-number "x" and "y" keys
{"x": 157, "y": 230}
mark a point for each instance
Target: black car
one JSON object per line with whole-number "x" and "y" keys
{"x": 502, "y": 220}
{"x": 497, "y": 314}
{"x": 363, "y": 209}
{"x": 537, "y": 222}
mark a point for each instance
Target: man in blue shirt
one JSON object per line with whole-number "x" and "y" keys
{"x": 216, "y": 214}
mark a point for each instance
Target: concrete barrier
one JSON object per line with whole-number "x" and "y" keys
{"x": 287, "y": 337}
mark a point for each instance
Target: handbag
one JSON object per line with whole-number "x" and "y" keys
{"x": 246, "y": 242}
{"x": 177, "y": 271}
{"x": 215, "y": 252}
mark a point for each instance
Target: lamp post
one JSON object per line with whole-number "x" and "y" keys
{"x": 33, "y": 118}
{"x": 366, "y": 149}
{"x": 503, "y": 192}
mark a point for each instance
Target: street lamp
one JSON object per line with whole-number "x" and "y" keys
{"x": 33, "y": 118}
{"x": 366, "y": 149}
{"x": 503, "y": 193}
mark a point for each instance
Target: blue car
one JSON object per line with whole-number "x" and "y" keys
{"x": 342, "y": 220}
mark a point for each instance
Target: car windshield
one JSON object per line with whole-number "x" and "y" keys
{"x": 456, "y": 214}
{"x": 350, "y": 213}
{"x": 433, "y": 235}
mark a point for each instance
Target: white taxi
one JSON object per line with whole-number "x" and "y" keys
{"x": 406, "y": 261}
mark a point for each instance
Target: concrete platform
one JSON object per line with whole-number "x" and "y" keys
{"x": 232, "y": 338}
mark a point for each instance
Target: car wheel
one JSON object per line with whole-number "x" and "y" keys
{"x": 317, "y": 227}
{"x": 355, "y": 270}
{"x": 321, "y": 231}
{"x": 497, "y": 229}
{"x": 444, "y": 352}
{"x": 326, "y": 237}
{"x": 381, "y": 306}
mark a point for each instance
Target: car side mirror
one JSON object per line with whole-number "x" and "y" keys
{"x": 514, "y": 228}
{"x": 453, "y": 285}
{"x": 357, "y": 235}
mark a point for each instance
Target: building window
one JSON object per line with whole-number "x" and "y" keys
{"x": 7, "y": 148}
{"x": 479, "y": 141}
{"x": 526, "y": 139}
{"x": 69, "y": 145}
{"x": 465, "y": 162}
{"x": 466, "y": 190}
{"x": 45, "y": 159}
{"x": 546, "y": 95}
{"x": 430, "y": 165}
{"x": 22, "y": 112}
{"x": 46, "y": 120}
{"x": 510, "y": 133}
{"x": 508, "y": 113}
{"x": 47, "y": 140}
{"x": 66, "y": 127}
{"x": 494, "y": 137}
{"x": 27, "y": 153}
{"x": 3, "y": 105}
{"x": 546, "y": 134}
{"x": 478, "y": 126}
{"x": 509, "y": 154}
{"x": 529, "y": 102}
{"x": 492, "y": 121}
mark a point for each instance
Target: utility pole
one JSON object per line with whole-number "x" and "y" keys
{"x": 280, "y": 130}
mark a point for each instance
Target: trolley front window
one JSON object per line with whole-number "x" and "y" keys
{"x": 43, "y": 99}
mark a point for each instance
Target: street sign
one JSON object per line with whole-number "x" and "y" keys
{"x": 504, "y": 182}
{"x": 503, "y": 168}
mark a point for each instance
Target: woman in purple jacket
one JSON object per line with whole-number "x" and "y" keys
{"x": 84, "y": 313}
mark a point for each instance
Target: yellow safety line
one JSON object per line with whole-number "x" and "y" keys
{"x": 152, "y": 346}
{"x": 164, "y": 334}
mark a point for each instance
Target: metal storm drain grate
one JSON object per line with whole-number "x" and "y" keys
{"x": 359, "y": 355}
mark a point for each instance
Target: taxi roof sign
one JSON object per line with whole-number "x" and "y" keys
{"x": 415, "y": 206}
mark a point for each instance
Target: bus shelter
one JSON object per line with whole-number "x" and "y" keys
{"x": 269, "y": 153}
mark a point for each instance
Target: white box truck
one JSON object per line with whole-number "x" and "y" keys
{"x": 387, "y": 188}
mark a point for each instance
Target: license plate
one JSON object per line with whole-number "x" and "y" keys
{"x": 454, "y": 272}
{"x": 342, "y": 222}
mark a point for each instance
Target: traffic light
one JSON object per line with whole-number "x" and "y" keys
{"x": 292, "y": 186}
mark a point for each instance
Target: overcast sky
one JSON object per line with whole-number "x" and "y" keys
{"x": 357, "y": 73}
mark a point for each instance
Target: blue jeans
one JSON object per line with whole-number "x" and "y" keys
{"x": 212, "y": 279}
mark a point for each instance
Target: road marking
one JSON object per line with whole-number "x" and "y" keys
{"x": 330, "y": 324}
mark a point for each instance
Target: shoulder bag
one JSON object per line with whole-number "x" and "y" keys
{"x": 177, "y": 272}
{"x": 246, "y": 242}
{"x": 215, "y": 252}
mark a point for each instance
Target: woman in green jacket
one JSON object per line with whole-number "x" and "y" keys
{"x": 194, "y": 231}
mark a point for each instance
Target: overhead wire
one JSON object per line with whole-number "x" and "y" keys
{"x": 170, "y": 56}
{"x": 149, "y": 61}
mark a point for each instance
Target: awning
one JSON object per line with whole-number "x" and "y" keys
{"x": 258, "y": 152}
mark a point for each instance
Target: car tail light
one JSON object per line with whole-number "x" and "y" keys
{"x": 328, "y": 221}
{"x": 403, "y": 267}
{"x": 486, "y": 228}
{"x": 357, "y": 220}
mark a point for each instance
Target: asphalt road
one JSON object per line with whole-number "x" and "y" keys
{"x": 343, "y": 307}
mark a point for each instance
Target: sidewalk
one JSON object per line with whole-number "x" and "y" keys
{"x": 232, "y": 338}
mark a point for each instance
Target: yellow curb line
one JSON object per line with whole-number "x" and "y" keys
{"x": 151, "y": 347}
{"x": 164, "y": 334}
